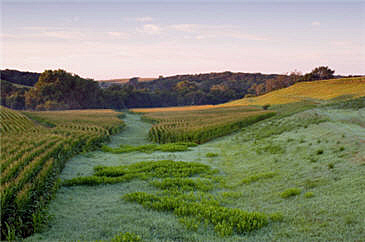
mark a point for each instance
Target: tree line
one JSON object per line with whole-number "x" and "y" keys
{"x": 59, "y": 90}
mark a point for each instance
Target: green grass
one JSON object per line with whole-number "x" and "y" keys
{"x": 257, "y": 177}
{"x": 329, "y": 208}
{"x": 127, "y": 237}
{"x": 149, "y": 148}
{"x": 291, "y": 192}
{"x": 211, "y": 155}
{"x": 143, "y": 170}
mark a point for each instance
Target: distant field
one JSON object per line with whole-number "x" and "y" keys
{"x": 34, "y": 149}
{"x": 173, "y": 109}
{"x": 201, "y": 125}
{"x": 316, "y": 90}
{"x": 304, "y": 91}
{"x": 125, "y": 80}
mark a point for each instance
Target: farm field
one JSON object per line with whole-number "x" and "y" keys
{"x": 34, "y": 149}
{"x": 314, "y": 91}
{"x": 201, "y": 125}
{"x": 300, "y": 175}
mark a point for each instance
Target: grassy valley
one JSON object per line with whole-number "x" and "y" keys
{"x": 289, "y": 170}
{"x": 300, "y": 171}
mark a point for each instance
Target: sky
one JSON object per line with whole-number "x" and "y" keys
{"x": 122, "y": 39}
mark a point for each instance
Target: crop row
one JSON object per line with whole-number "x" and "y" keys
{"x": 202, "y": 130}
{"x": 35, "y": 148}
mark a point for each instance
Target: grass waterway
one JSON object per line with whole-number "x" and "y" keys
{"x": 324, "y": 161}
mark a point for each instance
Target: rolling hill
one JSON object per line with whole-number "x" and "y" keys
{"x": 316, "y": 91}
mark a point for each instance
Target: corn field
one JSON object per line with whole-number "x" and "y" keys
{"x": 200, "y": 126}
{"x": 34, "y": 149}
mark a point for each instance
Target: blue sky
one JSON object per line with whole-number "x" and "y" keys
{"x": 151, "y": 38}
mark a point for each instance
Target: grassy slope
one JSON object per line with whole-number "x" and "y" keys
{"x": 304, "y": 91}
{"x": 317, "y": 90}
{"x": 287, "y": 148}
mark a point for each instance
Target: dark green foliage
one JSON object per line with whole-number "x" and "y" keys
{"x": 331, "y": 166}
{"x": 149, "y": 148}
{"x": 20, "y": 77}
{"x": 319, "y": 73}
{"x": 12, "y": 96}
{"x": 59, "y": 90}
{"x": 290, "y": 192}
{"x": 319, "y": 152}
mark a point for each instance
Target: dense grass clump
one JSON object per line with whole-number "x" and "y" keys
{"x": 149, "y": 148}
{"x": 127, "y": 237}
{"x": 257, "y": 177}
{"x": 210, "y": 155}
{"x": 225, "y": 220}
{"x": 142, "y": 170}
{"x": 290, "y": 192}
{"x": 175, "y": 180}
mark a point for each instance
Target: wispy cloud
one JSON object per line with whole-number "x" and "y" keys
{"x": 316, "y": 23}
{"x": 50, "y": 32}
{"x": 119, "y": 35}
{"x": 151, "y": 29}
{"x": 215, "y": 31}
{"x": 65, "y": 35}
{"x": 144, "y": 19}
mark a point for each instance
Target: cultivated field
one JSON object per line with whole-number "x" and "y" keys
{"x": 201, "y": 125}
{"x": 34, "y": 149}
{"x": 313, "y": 91}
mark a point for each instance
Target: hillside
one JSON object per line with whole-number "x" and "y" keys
{"x": 317, "y": 90}
{"x": 25, "y": 78}
{"x": 296, "y": 177}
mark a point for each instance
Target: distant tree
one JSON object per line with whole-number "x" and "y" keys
{"x": 62, "y": 90}
{"x": 319, "y": 73}
{"x": 15, "y": 101}
{"x": 323, "y": 72}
